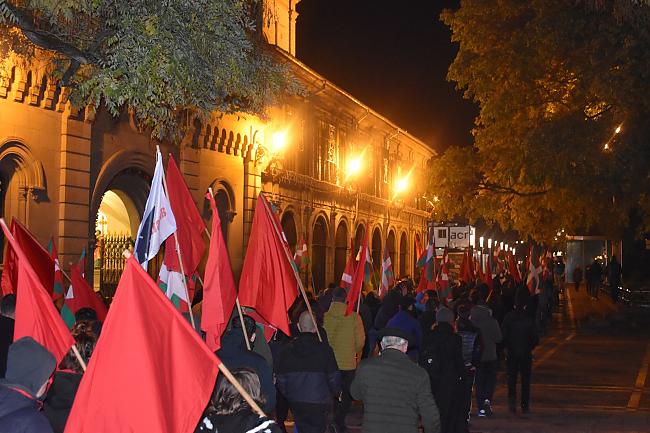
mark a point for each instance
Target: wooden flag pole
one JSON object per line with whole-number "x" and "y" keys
{"x": 180, "y": 260}
{"x": 241, "y": 389}
{"x": 298, "y": 279}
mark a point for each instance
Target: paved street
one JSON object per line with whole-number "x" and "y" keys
{"x": 590, "y": 374}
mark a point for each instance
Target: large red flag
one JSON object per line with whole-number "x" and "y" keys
{"x": 348, "y": 273}
{"x": 36, "y": 315}
{"x": 150, "y": 371}
{"x": 512, "y": 268}
{"x": 268, "y": 280}
{"x": 219, "y": 291}
{"x": 83, "y": 295}
{"x": 189, "y": 224}
{"x": 359, "y": 276}
{"x": 39, "y": 258}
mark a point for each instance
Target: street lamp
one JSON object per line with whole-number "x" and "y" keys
{"x": 490, "y": 243}
{"x": 480, "y": 241}
{"x": 278, "y": 141}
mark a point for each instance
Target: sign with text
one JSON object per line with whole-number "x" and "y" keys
{"x": 459, "y": 237}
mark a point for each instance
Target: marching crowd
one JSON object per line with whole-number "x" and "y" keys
{"x": 413, "y": 360}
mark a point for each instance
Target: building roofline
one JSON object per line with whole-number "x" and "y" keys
{"x": 292, "y": 59}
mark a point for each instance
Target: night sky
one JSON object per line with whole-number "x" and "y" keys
{"x": 393, "y": 56}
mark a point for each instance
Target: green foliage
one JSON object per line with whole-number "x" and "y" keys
{"x": 553, "y": 79}
{"x": 159, "y": 58}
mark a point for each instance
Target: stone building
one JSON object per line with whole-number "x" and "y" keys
{"x": 83, "y": 179}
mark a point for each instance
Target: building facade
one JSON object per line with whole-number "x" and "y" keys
{"x": 332, "y": 166}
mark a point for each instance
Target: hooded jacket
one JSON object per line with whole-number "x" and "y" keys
{"x": 346, "y": 335}
{"x": 234, "y": 354}
{"x": 519, "y": 334}
{"x": 29, "y": 365}
{"x": 481, "y": 317}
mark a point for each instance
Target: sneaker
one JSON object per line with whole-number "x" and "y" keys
{"x": 482, "y": 413}
{"x": 487, "y": 407}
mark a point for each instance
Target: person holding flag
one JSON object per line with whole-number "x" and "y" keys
{"x": 387, "y": 276}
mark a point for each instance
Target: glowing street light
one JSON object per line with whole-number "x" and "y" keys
{"x": 401, "y": 185}
{"x": 618, "y": 129}
{"x": 490, "y": 243}
{"x": 278, "y": 141}
{"x": 354, "y": 166}
{"x": 480, "y": 241}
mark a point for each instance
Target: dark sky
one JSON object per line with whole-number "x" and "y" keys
{"x": 393, "y": 56}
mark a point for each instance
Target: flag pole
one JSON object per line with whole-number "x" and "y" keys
{"x": 180, "y": 259}
{"x": 298, "y": 279}
{"x": 239, "y": 309}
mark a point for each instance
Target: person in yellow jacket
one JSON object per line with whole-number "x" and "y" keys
{"x": 347, "y": 337}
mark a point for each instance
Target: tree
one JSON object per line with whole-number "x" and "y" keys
{"x": 554, "y": 80}
{"x": 159, "y": 58}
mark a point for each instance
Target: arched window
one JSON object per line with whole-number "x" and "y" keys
{"x": 288, "y": 223}
{"x": 319, "y": 253}
{"x": 403, "y": 252}
{"x": 340, "y": 252}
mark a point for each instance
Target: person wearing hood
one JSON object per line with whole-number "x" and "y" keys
{"x": 442, "y": 358}
{"x": 61, "y": 394}
{"x": 29, "y": 367}
{"x": 347, "y": 337}
{"x": 486, "y": 373}
{"x": 234, "y": 354}
{"x": 405, "y": 321}
{"x": 308, "y": 376}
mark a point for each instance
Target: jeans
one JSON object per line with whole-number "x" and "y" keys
{"x": 341, "y": 408}
{"x": 309, "y": 417}
{"x": 519, "y": 365}
{"x": 485, "y": 381}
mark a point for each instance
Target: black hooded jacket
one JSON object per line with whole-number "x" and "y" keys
{"x": 307, "y": 372}
{"x": 233, "y": 354}
{"x": 60, "y": 397}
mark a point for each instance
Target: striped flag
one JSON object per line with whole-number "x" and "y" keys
{"x": 387, "y": 276}
{"x": 158, "y": 221}
{"x": 66, "y": 312}
{"x": 348, "y": 273}
{"x": 301, "y": 257}
{"x": 427, "y": 262}
{"x": 58, "y": 275}
{"x": 443, "y": 281}
{"x": 534, "y": 272}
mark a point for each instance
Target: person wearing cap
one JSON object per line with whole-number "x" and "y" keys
{"x": 396, "y": 392}
{"x": 346, "y": 336}
{"x": 443, "y": 360}
{"x": 29, "y": 367}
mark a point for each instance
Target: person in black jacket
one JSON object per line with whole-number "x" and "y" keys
{"x": 7, "y": 320}
{"x": 471, "y": 350}
{"x": 308, "y": 376}
{"x": 520, "y": 338}
{"x": 234, "y": 354}
{"x": 29, "y": 367}
{"x": 442, "y": 358}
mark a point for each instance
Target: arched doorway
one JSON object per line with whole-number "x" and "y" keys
{"x": 288, "y": 223}
{"x": 116, "y": 225}
{"x": 390, "y": 244}
{"x": 224, "y": 200}
{"x": 376, "y": 249}
{"x": 319, "y": 253}
{"x": 358, "y": 237}
{"x": 403, "y": 250}
{"x": 341, "y": 250}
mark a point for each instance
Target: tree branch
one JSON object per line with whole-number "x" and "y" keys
{"x": 500, "y": 189}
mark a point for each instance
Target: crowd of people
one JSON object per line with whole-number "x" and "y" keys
{"x": 413, "y": 360}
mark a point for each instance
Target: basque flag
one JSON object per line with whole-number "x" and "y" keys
{"x": 158, "y": 221}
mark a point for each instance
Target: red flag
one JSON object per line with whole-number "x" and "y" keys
{"x": 359, "y": 276}
{"x": 189, "y": 224}
{"x": 268, "y": 280}
{"x": 512, "y": 268}
{"x": 465, "y": 269}
{"x": 36, "y": 315}
{"x": 150, "y": 371}
{"x": 219, "y": 291}
{"x": 83, "y": 295}
{"x": 9, "y": 276}
{"x": 443, "y": 281}
{"x": 39, "y": 259}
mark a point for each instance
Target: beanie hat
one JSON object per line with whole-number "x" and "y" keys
{"x": 444, "y": 314}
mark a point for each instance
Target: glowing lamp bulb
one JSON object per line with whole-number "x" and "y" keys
{"x": 278, "y": 141}
{"x": 354, "y": 166}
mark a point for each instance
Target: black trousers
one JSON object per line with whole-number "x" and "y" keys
{"x": 485, "y": 381}
{"x": 341, "y": 408}
{"x": 519, "y": 366}
{"x": 464, "y": 401}
{"x": 309, "y": 417}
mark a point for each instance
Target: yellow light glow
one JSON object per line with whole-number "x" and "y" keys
{"x": 618, "y": 129}
{"x": 354, "y": 166}
{"x": 606, "y": 146}
{"x": 401, "y": 185}
{"x": 278, "y": 141}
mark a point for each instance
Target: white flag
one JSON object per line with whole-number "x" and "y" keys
{"x": 158, "y": 221}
